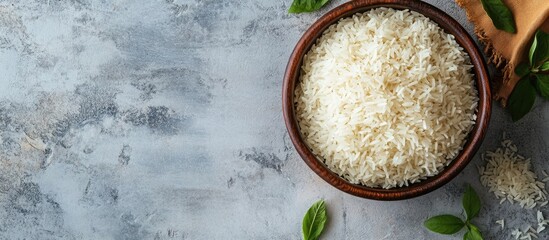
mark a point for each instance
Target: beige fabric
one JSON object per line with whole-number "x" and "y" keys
{"x": 507, "y": 50}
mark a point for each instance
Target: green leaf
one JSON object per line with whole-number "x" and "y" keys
{"x": 299, "y": 6}
{"x": 522, "y": 69}
{"x": 444, "y": 224}
{"x": 467, "y": 236}
{"x": 474, "y": 233}
{"x": 543, "y": 85}
{"x": 501, "y": 16}
{"x": 471, "y": 202}
{"x": 544, "y": 66}
{"x": 314, "y": 221}
{"x": 539, "y": 51}
{"x": 522, "y": 99}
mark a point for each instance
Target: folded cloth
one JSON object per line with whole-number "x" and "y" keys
{"x": 507, "y": 50}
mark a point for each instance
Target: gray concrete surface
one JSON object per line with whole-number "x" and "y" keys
{"x": 161, "y": 119}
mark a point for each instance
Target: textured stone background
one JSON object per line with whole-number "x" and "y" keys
{"x": 161, "y": 119}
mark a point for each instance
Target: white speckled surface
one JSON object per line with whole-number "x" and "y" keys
{"x": 161, "y": 119}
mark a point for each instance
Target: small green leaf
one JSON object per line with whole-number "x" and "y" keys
{"x": 522, "y": 69}
{"x": 471, "y": 202}
{"x": 501, "y": 16}
{"x": 474, "y": 233}
{"x": 467, "y": 236}
{"x": 539, "y": 51}
{"x": 522, "y": 99}
{"x": 299, "y": 6}
{"x": 544, "y": 66}
{"x": 314, "y": 221}
{"x": 543, "y": 85}
{"x": 444, "y": 224}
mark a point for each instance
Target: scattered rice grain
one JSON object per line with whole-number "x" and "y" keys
{"x": 508, "y": 176}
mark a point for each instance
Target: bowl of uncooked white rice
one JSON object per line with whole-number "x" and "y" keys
{"x": 386, "y": 101}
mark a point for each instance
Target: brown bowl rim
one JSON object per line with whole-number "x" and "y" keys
{"x": 476, "y": 135}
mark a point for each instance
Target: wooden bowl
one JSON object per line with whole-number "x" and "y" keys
{"x": 447, "y": 23}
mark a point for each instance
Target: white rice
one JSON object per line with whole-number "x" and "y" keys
{"x": 507, "y": 174}
{"x": 529, "y": 231}
{"x": 501, "y": 222}
{"x": 386, "y": 98}
{"x": 516, "y": 233}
